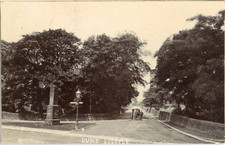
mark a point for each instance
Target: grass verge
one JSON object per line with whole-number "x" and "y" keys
{"x": 62, "y": 126}
{"x": 196, "y": 132}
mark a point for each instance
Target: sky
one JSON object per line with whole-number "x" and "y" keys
{"x": 151, "y": 21}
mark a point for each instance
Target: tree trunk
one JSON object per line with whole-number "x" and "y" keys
{"x": 90, "y": 107}
{"x": 211, "y": 113}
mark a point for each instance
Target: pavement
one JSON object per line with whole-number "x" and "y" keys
{"x": 120, "y": 131}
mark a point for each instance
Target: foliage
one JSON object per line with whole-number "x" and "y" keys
{"x": 36, "y": 61}
{"x": 105, "y": 69}
{"x": 190, "y": 67}
{"x": 113, "y": 69}
{"x": 6, "y": 53}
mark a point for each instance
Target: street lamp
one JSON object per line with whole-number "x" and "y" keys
{"x": 78, "y": 94}
{"x": 76, "y": 103}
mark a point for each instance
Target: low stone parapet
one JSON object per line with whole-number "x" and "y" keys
{"x": 9, "y": 115}
{"x": 164, "y": 115}
{"x": 155, "y": 112}
{"x": 21, "y": 116}
{"x": 179, "y": 120}
{"x": 68, "y": 117}
{"x": 212, "y": 128}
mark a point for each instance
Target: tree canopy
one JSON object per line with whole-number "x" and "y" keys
{"x": 105, "y": 69}
{"x": 114, "y": 68}
{"x": 34, "y": 62}
{"x": 190, "y": 68}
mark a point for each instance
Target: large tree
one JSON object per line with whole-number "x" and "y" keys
{"x": 114, "y": 67}
{"x": 105, "y": 69}
{"x": 190, "y": 63}
{"x": 37, "y": 60}
{"x": 6, "y": 56}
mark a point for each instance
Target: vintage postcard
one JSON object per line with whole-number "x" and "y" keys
{"x": 112, "y": 72}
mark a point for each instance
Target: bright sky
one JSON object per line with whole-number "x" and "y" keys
{"x": 151, "y": 21}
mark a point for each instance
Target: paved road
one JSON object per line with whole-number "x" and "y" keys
{"x": 26, "y": 137}
{"x": 112, "y": 131}
{"x": 147, "y": 130}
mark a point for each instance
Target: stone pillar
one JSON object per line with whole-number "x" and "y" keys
{"x": 52, "y": 117}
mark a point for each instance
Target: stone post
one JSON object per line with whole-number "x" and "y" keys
{"x": 52, "y": 117}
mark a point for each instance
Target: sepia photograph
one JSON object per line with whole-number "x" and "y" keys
{"x": 112, "y": 72}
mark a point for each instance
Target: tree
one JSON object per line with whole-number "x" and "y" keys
{"x": 114, "y": 67}
{"x": 186, "y": 64}
{"x": 153, "y": 97}
{"x": 39, "y": 59}
{"x": 6, "y": 53}
{"x": 105, "y": 69}
{"x": 209, "y": 89}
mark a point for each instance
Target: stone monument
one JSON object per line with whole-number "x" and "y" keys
{"x": 52, "y": 117}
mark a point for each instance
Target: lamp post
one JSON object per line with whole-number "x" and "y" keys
{"x": 76, "y": 103}
{"x": 78, "y": 94}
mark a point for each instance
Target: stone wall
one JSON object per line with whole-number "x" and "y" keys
{"x": 9, "y": 115}
{"x": 212, "y": 128}
{"x": 87, "y": 117}
{"x": 68, "y": 117}
{"x": 179, "y": 120}
{"x": 155, "y": 112}
{"x": 216, "y": 129}
{"x": 164, "y": 115}
{"x": 22, "y": 116}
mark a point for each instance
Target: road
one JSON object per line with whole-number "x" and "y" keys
{"x": 107, "y": 132}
